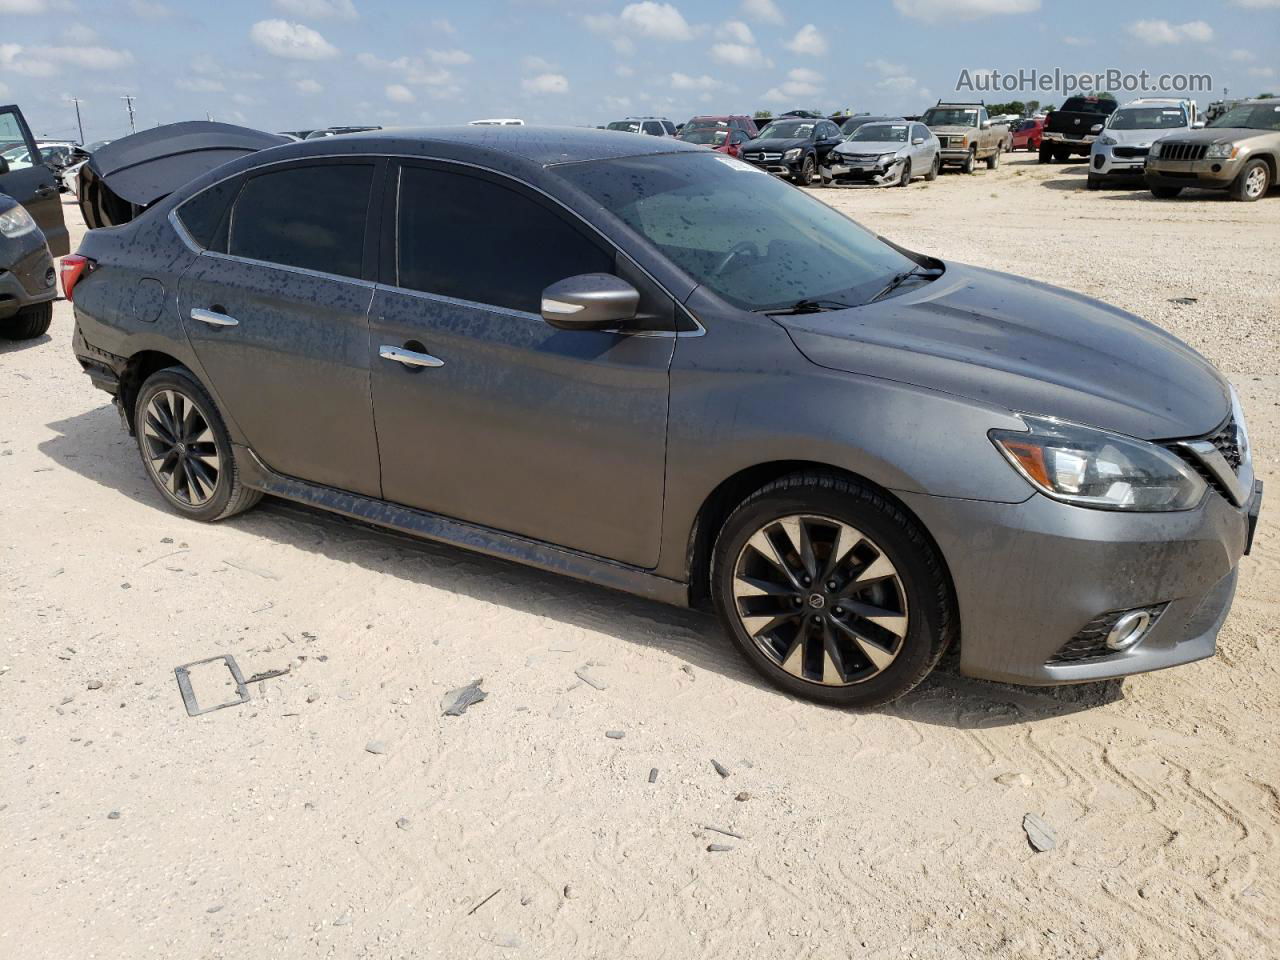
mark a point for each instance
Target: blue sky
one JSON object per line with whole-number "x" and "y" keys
{"x": 287, "y": 64}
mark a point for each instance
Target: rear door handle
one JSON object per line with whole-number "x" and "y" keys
{"x": 213, "y": 318}
{"x": 45, "y": 190}
{"x": 410, "y": 358}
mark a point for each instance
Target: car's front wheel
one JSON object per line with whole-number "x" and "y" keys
{"x": 186, "y": 449}
{"x": 993, "y": 161}
{"x": 904, "y": 179}
{"x": 29, "y": 322}
{"x": 934, "y": 168}
{"x": 970, "y": 161}
{"x": 1253, "y": 182}
{"x": 831, "y": 591}
{"x": 1166, "y": 193}
{"x": 805, "y": 176}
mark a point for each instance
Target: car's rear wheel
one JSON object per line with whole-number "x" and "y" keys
{"x": 29, "y": 322}
{"x": 831, "y": 591}
{"x": 1253, "y": 182}
{"x": 186, "y": 449}
{"x": 1166, "y": 193}
{"x": 905, "y": 179}
{"x": 1046, "y": 153}
{"x": 1061, "y": 156}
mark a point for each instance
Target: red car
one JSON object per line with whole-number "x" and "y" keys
{"x": 723, "y": 134}
{"x": 1027, "y": 133}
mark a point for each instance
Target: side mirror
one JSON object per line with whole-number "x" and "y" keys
{"x": 1197, "y": 125}
{"x": 591, "y": 301}
{"x": 4, "y": 165}
{"x": 917, "y": 141}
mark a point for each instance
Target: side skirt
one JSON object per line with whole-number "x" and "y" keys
{"x": 419, "y": 523}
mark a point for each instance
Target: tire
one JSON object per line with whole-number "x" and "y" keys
{"x": 1061, "y": 156}
{"x": 827, "y": 181}
{"x": 1046, "y": 153}
{"x": 970, "y": 161}
{"x": 911, "y": 594}
{"x": 993, "y": 161}
{"x": 29, "y": 322}
{"x": 1093, "y": 183}
{"x": 1166, "y": 193}
{"x": 905, "y": 179}
{"x": 203, "y": 482}
{"x": 1253, "y": 182}
{"x": 935, "y": 169}
{"x": 805, "y": 176}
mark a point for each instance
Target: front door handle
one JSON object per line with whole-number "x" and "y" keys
{"x": 410, "y": 358}
{"x": 214, "y": 318}
{"x": 45, "y": 190}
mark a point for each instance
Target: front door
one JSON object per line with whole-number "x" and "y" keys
{"x": 277, "y": 313}
{"x": 30, "y": 182}
{"x": 555, "y": 435}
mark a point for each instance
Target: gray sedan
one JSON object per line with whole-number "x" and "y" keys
{"x": 650, "y": 366}
{"x": 884, "y": 154}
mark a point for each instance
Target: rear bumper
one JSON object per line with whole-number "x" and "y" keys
{"x": 31, "y": 279}
{"x": 1068, "y": 141}
{"x": 1030, "y": 576}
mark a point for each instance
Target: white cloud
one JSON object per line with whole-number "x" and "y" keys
{"x": 200, "y": 84}
{"x": 44, "y": 61}
{"x": 147, "y": 10}
{"x": 439, "y": 82}
{"x": 291, "y": 41}
{"x": 1077, "y": 41}
{"x": 454, "y": 58}
{"x": 23, "y": 6}
{"x": 885, "y": 68}
{"x": 808, "y": 42}
{"x": 738, "y": 55}
{"x": 1241, "y": 56}
{"x": 933, "y": 10}
{"x": 1164, "y": 33}
{"x": 1258, "y": 4}
{"x": 661, "y": 21}
{"x": 1265, "y": 72}
{"x": 546, "y": 83}
{"x": 399, "y": 93}
{"x": 682, "y": 81}
{"x": 800, "y": 82}
{"x": 738, "y": 32}
{"x": 623, "y": 70}
{"x": 318, "y": 9}
{"x": 762, "y": 11}
{"x": 441, "y": 25}
{"x": 538, "y": 65}
{"x": 307, "y": 86}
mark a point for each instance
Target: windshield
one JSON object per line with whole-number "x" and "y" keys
{"x": 951, "y": 117}
{"x": 1148, "y": 118}
{"x": 1254, "y": 116}
{"x": 880, "y": 132}
{"x": 626, "y": 126}
{"x": 756, "y": 242}
{"x": 1088, "y": 105}
{"x": 787, "y": 130}
{"x": 710, "y": 135}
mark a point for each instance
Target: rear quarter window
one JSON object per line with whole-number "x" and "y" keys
{"x": 204, "y": 216}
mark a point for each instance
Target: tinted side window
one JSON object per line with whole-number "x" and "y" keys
{"x": 205, "y": 215}
{"x": 470, "y": 238}
{"x": 311, "y": 217}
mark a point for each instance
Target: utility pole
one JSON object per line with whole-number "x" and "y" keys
{"x": 79, "y": 122}
{"x": 128, "y": 98}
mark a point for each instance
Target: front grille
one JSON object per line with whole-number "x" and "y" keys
{"x": 943, "y": 141}
{"x": 1183, "y": 151}
{"x": 762, "y": 157}
{"x": 1226, "y": 440}
{"x": 1131, "y": 151}
{"x": 860, "y": 157}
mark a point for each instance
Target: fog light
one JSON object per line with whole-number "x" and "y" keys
{"x": 1129, "y": 629}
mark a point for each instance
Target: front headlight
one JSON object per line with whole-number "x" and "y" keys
{"x": 1094, "y": 468}
{"x": 16, "y": 222}
{"x": 1221, "y": 151}
{"x": 793, "y": 154}
{"x": 1107, "y": 141}
{"x": 887, "y": 158}
{"x": 1155, "y": 149}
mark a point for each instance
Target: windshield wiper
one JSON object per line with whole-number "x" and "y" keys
{"x": 807, "y": 306}
{"x": 902, "y": 278}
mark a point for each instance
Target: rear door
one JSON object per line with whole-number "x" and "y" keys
{"x": 31, "y": 182}
{"x": 276, "y": 309}
{"x": 555, "y": 435}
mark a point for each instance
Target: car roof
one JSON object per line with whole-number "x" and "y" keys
{"x": 532, "y": 144}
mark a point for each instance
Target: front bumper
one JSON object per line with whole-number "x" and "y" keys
{"x": 1103, "y": 162}
{"x": 870, "y": 173}
{"x": 776, "y": 167}
{"x": 1207, "y": 174}
{"x": 30, "y": 279}
{"x": 1030, "y": 576}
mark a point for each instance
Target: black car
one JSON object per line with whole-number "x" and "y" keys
{"x": 644, "y": 364}
{"x": 792, "y": 147}
{"x": 28, "y": 283}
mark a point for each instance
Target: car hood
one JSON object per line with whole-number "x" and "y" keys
{"x": 1222, "y": 134}
{"x": 775, "y": 143}
{"x": 869, "y": 146}
{"x": 1025, "y": 346}
{"x": 1130, "y": 137}
{"x": 950, "y": 128}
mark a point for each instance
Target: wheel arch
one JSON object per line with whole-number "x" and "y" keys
{"x": 731, "y": 491}
{"x": 139, "y": 367}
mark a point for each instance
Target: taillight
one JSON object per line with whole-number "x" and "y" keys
{"x": 74, "y": 266}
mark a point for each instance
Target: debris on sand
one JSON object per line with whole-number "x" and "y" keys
{"x": 375, "y": 746}
{"x": 1184, "y": 301}
{"x": 1039, "y": 833}
{"x": 615, "y": 734}
{"x": 457, "y": 701}
{"x": 742, "y": 796}
{"x": 1013, "y": 780}
{"x": 718, "y": 848}
{"x": 484, "y": 901}
{"x": 653, "y": 774}
{"x": 720, "y": 768}
{"x": 586, "y": 676}
{"x": 723, "y": 831}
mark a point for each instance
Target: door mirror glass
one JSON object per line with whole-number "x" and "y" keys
{"x": 590, "y": 301}
{"x": 917, "y": 141}
{"x": 986, "y": 124}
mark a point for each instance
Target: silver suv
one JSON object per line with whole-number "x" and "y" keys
{"x": 1121, "y": 149}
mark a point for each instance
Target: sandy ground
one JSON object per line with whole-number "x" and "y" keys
{"x": 128, "y": 829}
